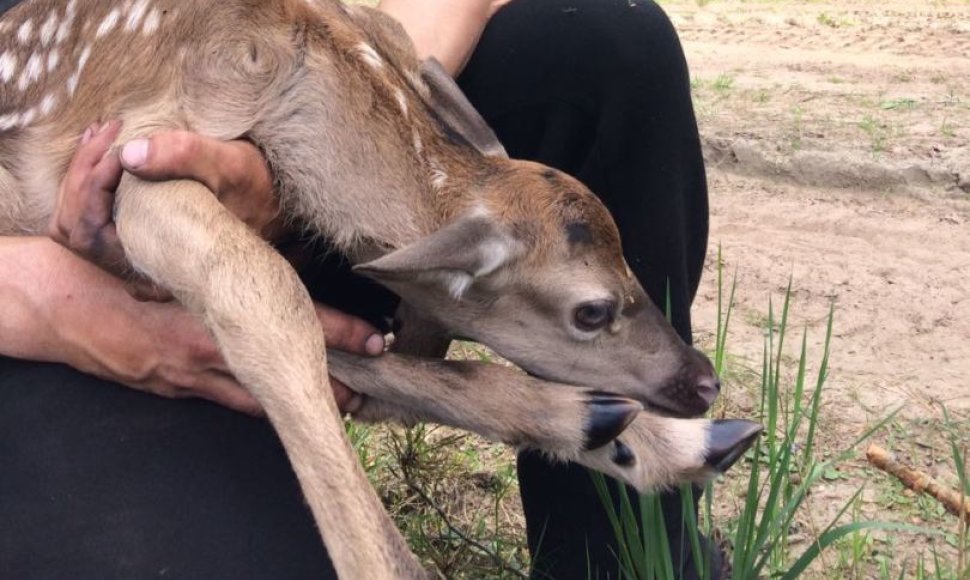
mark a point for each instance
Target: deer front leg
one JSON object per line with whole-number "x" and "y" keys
{"x": 180, "y": 236}
{"x": 496, "y": 402}
{"x": 568, "y": 423}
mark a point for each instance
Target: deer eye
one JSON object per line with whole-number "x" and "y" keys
{"x": 594, "y": 315}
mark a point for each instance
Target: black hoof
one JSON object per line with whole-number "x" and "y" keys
{"x": 608, "y": 416}
{"x": 727, "y": 441}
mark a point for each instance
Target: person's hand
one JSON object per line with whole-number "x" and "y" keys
{"x": 83, "y": 216}
{"x": 166, "y": 351}
{"x": 185, "y": 364}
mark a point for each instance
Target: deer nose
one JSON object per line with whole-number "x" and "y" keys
{"x": 708, "y": 388}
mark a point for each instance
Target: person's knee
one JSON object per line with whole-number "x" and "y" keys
{"x": 585, "y": 49}
{"x": 633, "y": 40}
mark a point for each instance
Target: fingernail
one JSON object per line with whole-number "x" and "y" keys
{"x": 374, "y": 345}
{"x": 135, "y": 153}
{"x": 88, "y": 133}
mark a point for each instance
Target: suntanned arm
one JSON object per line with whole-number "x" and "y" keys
{"x": 57, "y": 307}
{"x": 445, "y": 29}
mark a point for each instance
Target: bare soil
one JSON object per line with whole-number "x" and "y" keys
{"x": 838, "y": 144}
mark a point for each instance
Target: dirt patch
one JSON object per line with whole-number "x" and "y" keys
{"x": 837, "y": 138}
{"x": 860, "y": 102}
{"x": 869, "y": 95}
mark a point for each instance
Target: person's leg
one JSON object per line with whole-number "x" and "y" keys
{"x": 600, "y": 89}
{"x": 101, "y": 481}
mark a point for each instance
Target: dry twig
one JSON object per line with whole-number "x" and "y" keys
{"x": 955, "y": 502}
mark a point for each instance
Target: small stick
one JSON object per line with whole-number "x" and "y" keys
{"x": 954, "y": 502}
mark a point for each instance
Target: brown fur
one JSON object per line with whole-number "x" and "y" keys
{"x": 378, "y": 153}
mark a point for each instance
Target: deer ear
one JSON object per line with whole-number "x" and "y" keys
{"x": 456, "y": 113}
{"x": 452, "y": 257}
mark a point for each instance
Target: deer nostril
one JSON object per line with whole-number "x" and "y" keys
{"x": 708, "y": 389}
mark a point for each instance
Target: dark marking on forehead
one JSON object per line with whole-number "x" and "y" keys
{"x": 550, "y": 175}
{"x": 578, "y": 233}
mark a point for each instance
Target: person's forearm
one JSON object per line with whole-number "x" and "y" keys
{"x": 445, "y": 29}
{"x": 48, "y": 296}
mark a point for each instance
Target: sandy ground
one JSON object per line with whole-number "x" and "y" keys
{"x": 838, "y": 145}
{"x": 783, "y": 81}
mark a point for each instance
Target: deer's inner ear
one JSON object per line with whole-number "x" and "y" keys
{"x": 453, "y": 257}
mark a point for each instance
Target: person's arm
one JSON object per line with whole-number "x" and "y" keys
{"x": 57, "y": 307}
{"x": 445, "y": 29}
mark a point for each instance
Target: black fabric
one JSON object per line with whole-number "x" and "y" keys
{"x": 98, "y": 481}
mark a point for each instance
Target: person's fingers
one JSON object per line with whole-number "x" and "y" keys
{"x": 93, "y": 233}
{"x": 348, "y": 401}
{"x": 235, "y": 171}
{"x": 74, "y": 194}
{"x": 223, "y": 390}
{"x": 144, "y": 290}
{"x": 349, "y": 333}
{"x": 177, "y": 154}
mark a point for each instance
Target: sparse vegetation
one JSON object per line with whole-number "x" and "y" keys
{"x": 455, "y": 496}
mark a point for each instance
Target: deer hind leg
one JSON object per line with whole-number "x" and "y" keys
{"x": 568, "y": 423}
{"x": 181, "y": 237}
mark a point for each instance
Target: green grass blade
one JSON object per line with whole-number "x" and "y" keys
{"x": 826, "y": 539}
{"x": 693, "y": 531}
{"x": 817, "y": 396}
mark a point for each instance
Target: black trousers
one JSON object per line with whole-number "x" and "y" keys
{"x": 99, "y": 481}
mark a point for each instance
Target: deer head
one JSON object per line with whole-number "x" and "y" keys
{"x": 531, "y": 265}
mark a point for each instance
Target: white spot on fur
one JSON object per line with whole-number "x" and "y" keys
{"x": 370, "y": 56}
{"x": 25, "y": 31}
{"x": 438, "y": 178}
{"x": 31, "y": 71}
{"x": 138, "y": 10}
{"x": 47, "y": 104}
{"x": 151, "y": 22}
{"x": 109, "y": 22}
{"x": 402, "y": 101}
{"x": 48, "y": 28}
{"x": 83, "y": 59}
{"x": 52, "y": 59}
{"x": 417, "y": 83}
{"x": 8, "y": 65}
{"x": 74, "y": 79}
{"x": 72, "y": 83}
{"x": 28, "y": 117}
{"x": 62, "y": 32}
{"x": 9, "y": 121}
